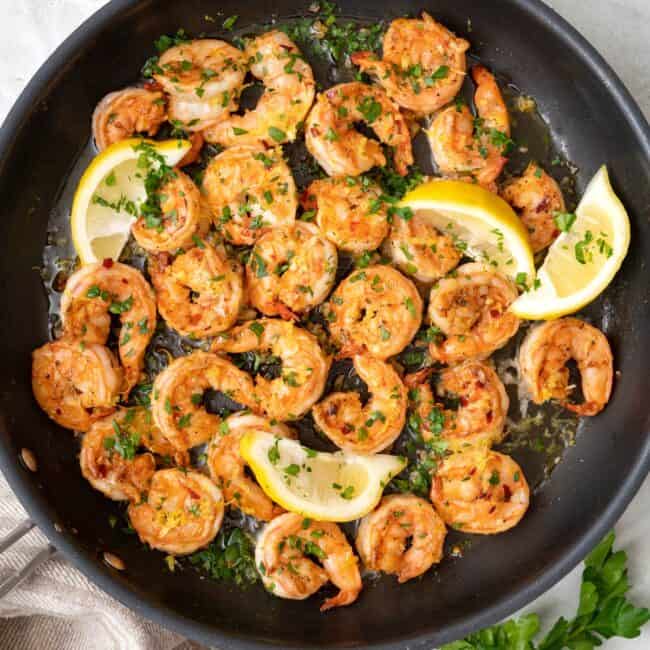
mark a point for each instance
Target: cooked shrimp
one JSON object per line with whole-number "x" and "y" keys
{"x": 482, "y": 405}
{"x": 419, "y": 249}
{"x": 535, "y": 197}
{"x": 369, "y": 428}
{"x": 423, "y": 64}
{"x": 227, "y": 466}
{"x": 289, "y": 92}
{"x": 200, "y": 292}
{"x": 375, "y": 310}
{"x": 470, "y": 148}
{"x": 480, "y": 492}
{"x": 96, "y": 291}
{"x": 109, "y": 461}
{"x": 304, "y": 365}
{"x": 403, "y": 535}
{"x": 349, "y": 212}
{"x": 140, "y": 421}
{"x": 543, "y": 356}
{"x": 250, "y": 189}
{"x": 285, "y": 554}
{"x": 124, "y": 113}
{"x": 341, "y": 150}
{"x": 471, "y": 310}
{"x": 177, "y": 396}
{"x": 290, "y": 270}
{"x": 75, "y": 383}
{"x": 182, "y": 512}
{"x": 183, "y": 220}
{"x": 203, "y": 79}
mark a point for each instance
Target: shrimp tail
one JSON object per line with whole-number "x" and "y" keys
{"x": 308, "y": 200}
{"x": 481, "y": 75}
{"x": 284, "y": 312}
{"x": 416, "y": 378}
{"x": 350, "y": 350}
{"x": 194, "y": 152}
{"x": 363, "y": 59}
{"x": 586, "y": 408}
{"x": 340, "y": 600}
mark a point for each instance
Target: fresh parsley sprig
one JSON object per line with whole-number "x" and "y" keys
{"x": 603, "y": 613}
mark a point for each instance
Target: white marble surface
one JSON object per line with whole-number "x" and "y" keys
{"x": 618, "y": 29}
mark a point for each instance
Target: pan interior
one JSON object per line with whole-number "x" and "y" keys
{"x": 589, "y": 126}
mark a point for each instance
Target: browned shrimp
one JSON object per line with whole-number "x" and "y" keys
{"x": 75, "y": 383}
{"x": 420, "y": 250}
{"x": 349, "y": 212}
{"x": 96, "y": 291}
{"x": 468, "y": 148}
{"x": 339, "y": 148}
{"x": 291, "y": 269}
{"x": 109, "y": 461}
{"x": 228, "y": 469}
{"x": 369, "y": 428}
{"x": 543, "y": 356}
{"x": 536, "y": 197}
{"x": 289, "y": 92}
{"x": 304, "y": 365}
{"x": 200, "y": 292}
{"x": 471, "y": 310}
{"x": 123, "y": 113}
{"x": 483, "y": 405}
{"x": 376, "y": 310}
{"x": 141, "y": 424}
{"x": 422, "y": 66}
{"x": 480, "y": 492}
{"x": 282, "y": 557}
{"x": 203, "y": 79}
{"x": 181, "y": 512}
{"x": 249, "y": 189}
{"x": 403, "y": 535}
{"x": 184, "y": 218}
{"x": 177, "y": 396}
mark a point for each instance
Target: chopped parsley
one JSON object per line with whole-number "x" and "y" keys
{"x": 230, "y": 557}
{"x": 564, "y": 220}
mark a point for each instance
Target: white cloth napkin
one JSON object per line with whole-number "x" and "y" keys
{"x": 57, "y": 608}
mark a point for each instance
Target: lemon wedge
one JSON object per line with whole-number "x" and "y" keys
{"x": 106, "y": 199}
{"x": 327, "y": 487}
{"x": 481, "y": 224}
{"x": 584, "y": 259}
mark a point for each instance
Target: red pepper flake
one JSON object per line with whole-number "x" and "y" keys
{"x": 543, "y": 205}
{"x": 194, "y": 151}
{"x": 152, "y": 85}
{"x": 107, "y": 263}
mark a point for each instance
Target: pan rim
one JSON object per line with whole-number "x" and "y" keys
{"x": 34, "y": 502}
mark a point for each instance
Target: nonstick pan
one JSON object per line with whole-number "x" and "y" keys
{"x": 593, "y": 121}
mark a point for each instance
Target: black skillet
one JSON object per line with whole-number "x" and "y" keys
{"x": 593, "y": 120}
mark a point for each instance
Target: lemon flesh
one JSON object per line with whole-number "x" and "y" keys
{"x": 327, "y": 487}
{"x": 582, "y": 262}
{"x": 482, "y": 225}
{"x": 108, "y": 195}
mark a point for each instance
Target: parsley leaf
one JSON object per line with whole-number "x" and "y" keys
{"x": 230, "y": 557}
{"x": 564, "y": 220}
{"x": 603, "y": 613}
